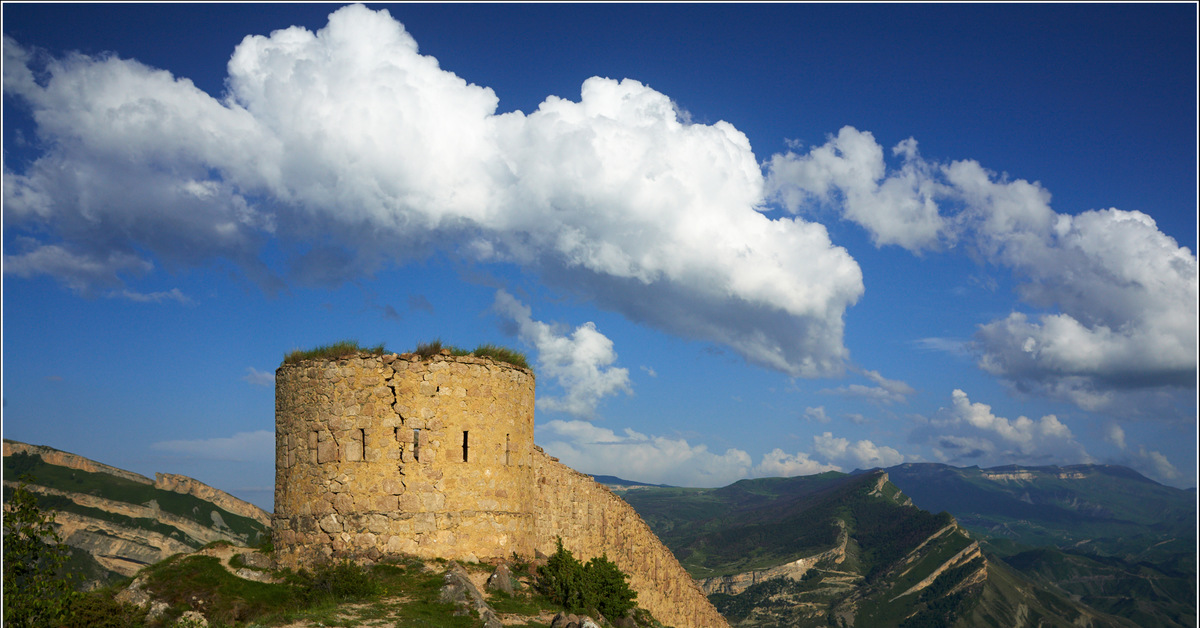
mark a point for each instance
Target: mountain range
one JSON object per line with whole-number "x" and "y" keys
{"x": 1083, "y": 545}
{"x": 911, "y": 545}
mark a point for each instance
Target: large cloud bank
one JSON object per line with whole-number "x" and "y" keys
{"x": 1121, "y": 295}
{"x": 348, "y": 150}
{"x": 354, "y": 151}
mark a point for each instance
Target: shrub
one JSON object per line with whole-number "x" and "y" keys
{"x": 99, "y": 609}
{"x": 340, "y": 582}
{"x": 609, "y": 588}
{"x": 598, "y": 585}
{"x": 36, "y": 593}
{"x": 340, "y": 349}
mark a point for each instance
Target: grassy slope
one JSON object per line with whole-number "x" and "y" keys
{"x": 124, "y": 490}
{"x": 766, "y": 522}
{"x": 1144, "y": 593}
{"x": 402, "y": 593}
{"x": 751, "y": 524}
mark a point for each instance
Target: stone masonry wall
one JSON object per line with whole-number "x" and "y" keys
{"x": 591, "y": 521}
{"x": 370, "y": 458}
{"x": 370, "y": 461}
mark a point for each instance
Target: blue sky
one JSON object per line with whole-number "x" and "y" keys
{"x": 736, "y": 241}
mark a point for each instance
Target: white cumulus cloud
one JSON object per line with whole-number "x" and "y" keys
{"x": 1119, "y": 296}
{"x": 581, "y": 363}
{"x": 258, "y": 378}
{"x": 662, "y": 459}
{"x": 778, "y": 463}
{"x": 351, "y": 151}
{"x": 862, "y": 454}
{"x": 636, "y": 456}
{"x": 971, "y": 432}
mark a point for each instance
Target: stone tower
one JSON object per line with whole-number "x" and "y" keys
{"x": 396, "y": 454}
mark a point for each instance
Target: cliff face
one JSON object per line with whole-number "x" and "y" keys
{"x": 592, "y": 521}
{"x": 795, "y": 571}
{"x": 126, "y": 521}
{"x": 187, "y": 486}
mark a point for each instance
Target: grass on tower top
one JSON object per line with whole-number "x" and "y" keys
{"x": 495, "y": 352}
{"x": 333, "y": 351}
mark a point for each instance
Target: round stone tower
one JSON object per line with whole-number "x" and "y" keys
{"x": 399, "y": 454}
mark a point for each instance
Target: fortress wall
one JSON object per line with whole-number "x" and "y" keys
{"x": 370, "y": 458}
{"x": 592, "y": 521}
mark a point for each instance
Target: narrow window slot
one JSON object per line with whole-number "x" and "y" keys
{"x": 416, "y": 444}
{"x": 362, "y": 435}
{"x": 507, "y": 452}
{"x": 464, "y": 445}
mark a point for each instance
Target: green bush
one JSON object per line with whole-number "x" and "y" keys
{"x": 36, "y": 592}
{"x": 599, "y": 585}
{"x": 99, "y": 609}
{"x": 339, "y": 582}
{"x": 609, "y": 588}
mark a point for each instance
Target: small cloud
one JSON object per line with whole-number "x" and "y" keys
{"x": 1115, "y": 435}
{"x": 649, "y": 371}
{"x": 258, "y": 378}
{"x": 151, "y": 297}
{"x": 816, "y": 414}
{"x": 257, "y": 446}
{"x": 953, "y": 346}
{"x": 419, "y": 302}
{"x": 1157, "y": 464}
{"x": 971, "y": 430}
{"x": 389, "y": 312}
{"x": 646, "y": 458}
{"x": 863, "y": 454}
{"x": 855, "y": 418}
{"x": 581, "y": 363}
{"x": 885, "y": 391}
{"x": 778, "y": 463}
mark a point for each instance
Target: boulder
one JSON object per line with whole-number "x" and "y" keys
{"x": 458, "y": 589}
{"x": 501, "y": 580}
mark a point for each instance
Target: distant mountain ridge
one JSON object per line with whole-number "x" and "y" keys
{"x": 119, "y": 521}
{"x": 1106, "y": 509}
{"x": 858, "y": 550}
{"x": 843, "y": 550}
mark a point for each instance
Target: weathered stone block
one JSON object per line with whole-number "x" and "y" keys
{"x": 327, "y": 451}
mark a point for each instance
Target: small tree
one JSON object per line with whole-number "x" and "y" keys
{"x": 35, "y": 594}
{"x": 561, "y": 579}
{"x": 598, "y": 585}
{"x": 610, "y": 588}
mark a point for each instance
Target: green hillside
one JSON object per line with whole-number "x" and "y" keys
{"x": 103, "y": 485}
{"x": 844, "y": 550}
{"x": 116, "y": 522}
{"x": 1107, "y": 510}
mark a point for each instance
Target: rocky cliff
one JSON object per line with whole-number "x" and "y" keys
{"x": 126, "y": 521}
